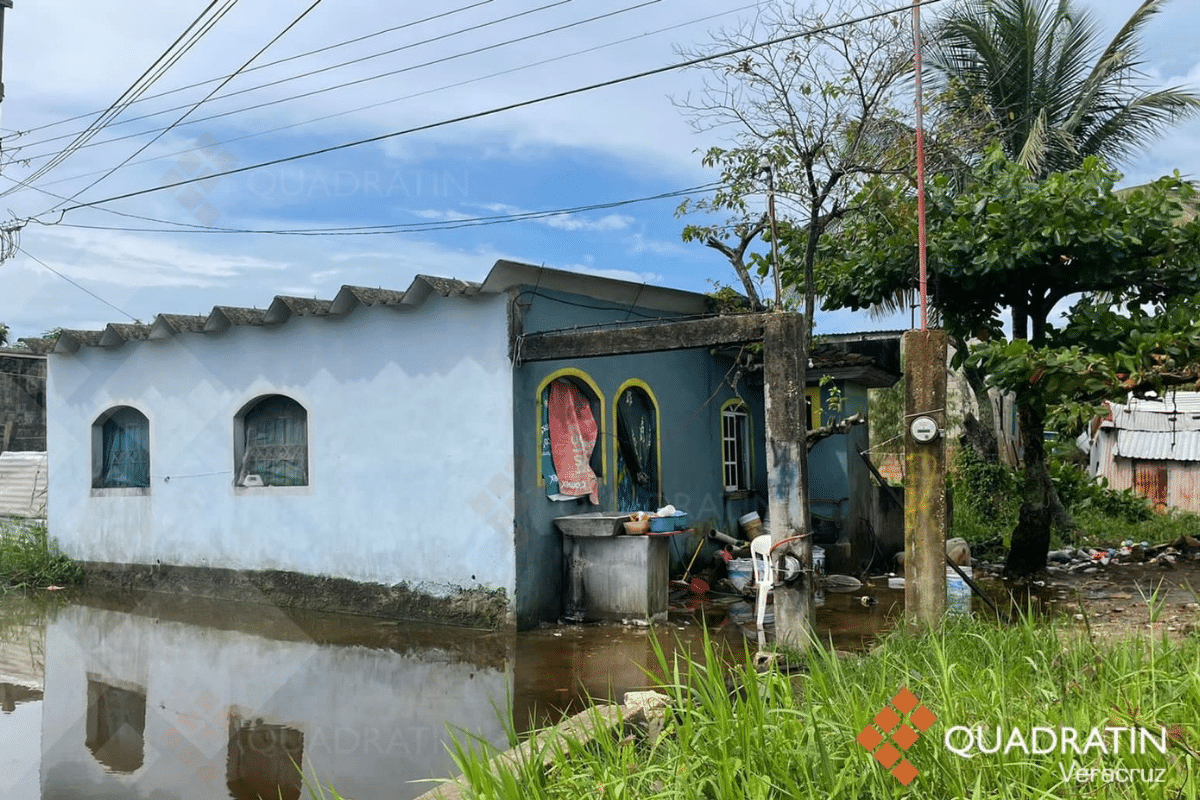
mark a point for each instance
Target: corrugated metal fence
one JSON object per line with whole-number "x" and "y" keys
{"x": 22, "y": 484}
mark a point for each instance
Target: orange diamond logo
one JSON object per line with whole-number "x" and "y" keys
{"x": 906, "y": 737}
{"x": 905, "y": 772}
{"x": 903, "y": 735}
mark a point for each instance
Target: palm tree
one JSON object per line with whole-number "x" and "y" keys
{"x": 1035, "y": 73}
{"x": 1032, "y": 75}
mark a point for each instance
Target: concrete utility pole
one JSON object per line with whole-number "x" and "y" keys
{"x": 3, "y": 5}
{"x": 925, "y": 471}
{"x": 784, "y": 366}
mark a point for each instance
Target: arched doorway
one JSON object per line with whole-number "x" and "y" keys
{"x": 638, "y": 462}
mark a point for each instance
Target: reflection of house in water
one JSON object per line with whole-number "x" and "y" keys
{"x": 157, "y": 703}
{"x": 262, "y": 759}
{"x": 116, "y": 725}
{"x": 13, "y": 694}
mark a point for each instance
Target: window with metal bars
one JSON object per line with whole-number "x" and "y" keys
{"x": 735, "y": 447}
{"x": 121, "y": 449}
{"x": 275, "y": 443}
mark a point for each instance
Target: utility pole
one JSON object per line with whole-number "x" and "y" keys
{"x": 3, "y": 5}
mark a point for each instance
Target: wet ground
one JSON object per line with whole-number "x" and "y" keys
{"x": 162, "y": 697}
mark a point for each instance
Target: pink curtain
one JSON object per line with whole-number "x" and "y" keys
{"x": 573, "y": 434}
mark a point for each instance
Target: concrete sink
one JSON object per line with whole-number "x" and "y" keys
{"x": 592, "y": 523}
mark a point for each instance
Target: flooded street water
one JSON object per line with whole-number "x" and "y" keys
{"x": 167, "y": 697}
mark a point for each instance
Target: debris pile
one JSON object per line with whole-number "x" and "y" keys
{"x": 1090, "y": 560}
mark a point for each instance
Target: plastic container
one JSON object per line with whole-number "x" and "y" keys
{"x": 662, "y": 524}
{"x": 741, "y": 573}
{"x": 958, "y": 592}
{"x": 681, "y": 520}
{"x": 751, "y": 525}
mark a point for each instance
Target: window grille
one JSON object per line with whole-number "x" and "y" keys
{"x": 124, "y": 450}
{"x": 276, "y": 444}
{"x": 735, "y": 443}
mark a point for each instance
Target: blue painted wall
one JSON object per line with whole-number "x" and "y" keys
{"x": 690, "y": 387}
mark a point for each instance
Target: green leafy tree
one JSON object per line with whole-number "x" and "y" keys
{"x": 1011, "y": 247}
{"x": 1033, "y": 74}
{"x": 809, "y": 118}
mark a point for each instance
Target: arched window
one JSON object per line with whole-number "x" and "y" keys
{"x": 121, "y": 449}
{"x": 636, "y": 421}
{"x": 272, "y": 443}
{"x": 116, "y": 725}
{"x": 570, "y": 424}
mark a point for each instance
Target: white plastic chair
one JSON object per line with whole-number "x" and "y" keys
{"x": 764, "y": 573}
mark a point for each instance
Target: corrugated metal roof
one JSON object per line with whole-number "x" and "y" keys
{"x": 1154, "y": 430}
{"x": 23, "y": 484}
{"x": 1158, "y": 445}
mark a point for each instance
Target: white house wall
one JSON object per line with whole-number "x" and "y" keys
{"x": 409, "y": 437}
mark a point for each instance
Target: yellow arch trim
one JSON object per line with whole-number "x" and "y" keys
{"x": 638, "y": 383}
{"x": 734, "y": 401}
{"x": 818, "y": 410}
{"x": 583, "y": 377}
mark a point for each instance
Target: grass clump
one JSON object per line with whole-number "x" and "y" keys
{"x": 30, "y": 558}
{"x": 781, "y": 736}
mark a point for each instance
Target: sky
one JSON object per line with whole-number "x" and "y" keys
{"x": 88, "y": 255}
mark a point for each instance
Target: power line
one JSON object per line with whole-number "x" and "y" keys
{"x": 197, "y": 104}
{"x": 422, "y": 93}
{"x": 401, "y": 227}
{"x": 78, "y": 286}
{"x": 381, "y": 75}
{"x": 509, "y": 107}
{"x": 323, "y": 69}
{"x": 265, "y": 65}
{"x": 155, "y": 71}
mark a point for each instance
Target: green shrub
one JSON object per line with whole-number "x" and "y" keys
{"x": 29, "y": 557}
{"x": 780, "y": 736}
{"x": 1081, "y": 494}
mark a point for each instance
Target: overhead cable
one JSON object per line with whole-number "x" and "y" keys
{"x": 508, "y": 107}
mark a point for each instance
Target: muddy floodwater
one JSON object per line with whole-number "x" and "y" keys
{"x": 172, "y": 698}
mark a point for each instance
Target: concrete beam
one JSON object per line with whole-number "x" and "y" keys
{"x": 652, "y": 337}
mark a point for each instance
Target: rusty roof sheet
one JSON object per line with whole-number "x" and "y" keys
{"x": 1156, "y": 430}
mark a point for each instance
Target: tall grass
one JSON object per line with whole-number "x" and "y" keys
{"x": 784, "y": 736}
{"x": 30, "y": 558}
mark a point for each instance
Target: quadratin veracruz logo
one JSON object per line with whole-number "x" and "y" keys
{"x": 889, "y": 729}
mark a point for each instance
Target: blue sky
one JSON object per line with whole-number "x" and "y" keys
{"x": 64, "y": 58}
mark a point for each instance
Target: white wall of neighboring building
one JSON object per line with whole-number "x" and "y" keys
{"x": 409, "y": 440}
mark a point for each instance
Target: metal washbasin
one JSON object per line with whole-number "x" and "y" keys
{"x": 592, "y": 523}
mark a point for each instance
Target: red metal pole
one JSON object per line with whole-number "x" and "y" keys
{"x": 920, "y": 130}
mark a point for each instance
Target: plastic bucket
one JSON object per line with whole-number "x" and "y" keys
{"x": 751, "y": 525}
{"x": 958, "y": 592}
{"x": 741, "y": 573}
